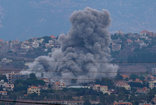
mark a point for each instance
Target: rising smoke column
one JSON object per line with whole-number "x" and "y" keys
{"x": 84, "y": 51}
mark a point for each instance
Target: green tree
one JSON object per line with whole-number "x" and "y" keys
{"x": 136, "y": 84}
{"x": 151, "y": 95}
{"x": 142, "y": 78}
{"x": 22, "y": 85}
{"x": 121, "y": 96}
{"x": 105, "y": 81}
{"x": 102, "y": 99}
{"x": 133, "y": 76}
{"x": 32, "y": 96}
{"x": 118, "y": 77}
{"x": 87, "y": 102}
{"x": 94, "y": 97}
{"x": 46, "y": 39}
{"x": 1, "y": 88}
{"x": 110, "y": 99}
{"x": 3, "y": 77}
{"x": 32, "y": 76}
{"x": 2, "y": 103}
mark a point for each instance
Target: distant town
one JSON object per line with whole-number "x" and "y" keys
{"x": 134, "y": 84}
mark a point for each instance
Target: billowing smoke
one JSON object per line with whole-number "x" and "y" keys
{"x": 84, "y": 52}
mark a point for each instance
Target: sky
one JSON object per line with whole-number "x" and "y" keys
{"x": 24, "y": 19}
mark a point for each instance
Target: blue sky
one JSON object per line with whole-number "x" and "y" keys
{"x": 24, "y": 19}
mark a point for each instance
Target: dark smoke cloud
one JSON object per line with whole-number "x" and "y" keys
{"x": 84, "y": 51}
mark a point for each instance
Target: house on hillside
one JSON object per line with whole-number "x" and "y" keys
{"x": 129, "y": 41}
{"x": 122, "y": 103}
{"x": 39, "y": 40}
{"x": 142, "y": 90}
{"x": 3, "y": 93}
{"x": 103, "y": 89}
{"x": 123, "y": 84}
{"x": 35, "y": 44}
{"x": 152, "y": 84}
{"x": 144, "y": 32}
{"x": 154, "y": 99}
{"x": 153, "y": 71}
{"x": 58, "y": 85}
{"x": 52, "y": 36}
{"x": 119, "y": 33}
{"x": 137, "y": 80}
{"x": 5, "y": 60}
{"x": 8, "y": 87}
{"x": 116, "y": 47}
{"x": 1, "y": 41}
{"x": 125, "y": 76}
{"x": 34, "y": 89}
{"x": 12, "y": 77}
{"x": 47, "y": 81}
{"x": 145, "y": 103}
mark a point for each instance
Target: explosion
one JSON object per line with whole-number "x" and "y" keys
{"x": 84, "y": 54}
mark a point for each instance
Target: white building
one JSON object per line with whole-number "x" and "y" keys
{"x": 5, "y": 60}
{"x": 116, "y": 47}
{"x": 35, "y": 44}
{"x": 152, "y": 84}
{"x": 153, "y": 71}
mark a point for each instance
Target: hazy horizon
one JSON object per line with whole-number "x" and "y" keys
{"x": 24, "y": 19}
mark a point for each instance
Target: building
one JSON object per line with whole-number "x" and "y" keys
{"x": 35, "y": 44}
{"x": 129, "y": 41}
{"x": 48, "y": 45}
{"x": 117, "y": 41}
{"x": 142, "y": 90}
{"x": 24, "y": 46}
{"x": 125, "y": 76}
{"x": 79, "y": 87}
{"x": 137, "y": 80}
{"x": 119, "y": 33}
{"x": 34, "y": 89}
{"x": 58, "y": 85}
{"x": 72, "y": 102}
{"x": 1, "y": 41}
{"x": 40, "y": 40}
{"x": 15, "y": 42}
{"x": 152, "y": 84}
{"x": 12, "y": 77}
{"x": 103, "y": 89}
{"x": 51, "y": 41}
{"x": 5, "y": 60}
{"x": 145, "y": 103}
{"x": 9, "y": 87}
{"x": 3, "y": 93}
{"x": 52, "y": 36}
{"x": 144, "y": 32}
{"x": 122, "y": 103}
{"x": 116, "y": 47}
{"x": 4, "y": 47}
{"x": 2, "y": 82}
{"x": 153, "y": 71}
{"x": 47, "y": 82}
{"x": 154, "y": 99}
{"x": 96, "y": 87}
{"x": 123, "y": 84}
{"x": 152, "y": 77}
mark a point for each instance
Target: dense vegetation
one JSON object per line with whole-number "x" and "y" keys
{"x": 22, "y": 85}
{"x": 143, "y": 57}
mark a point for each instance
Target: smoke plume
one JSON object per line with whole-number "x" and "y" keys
{"x": 84, "y": 52}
